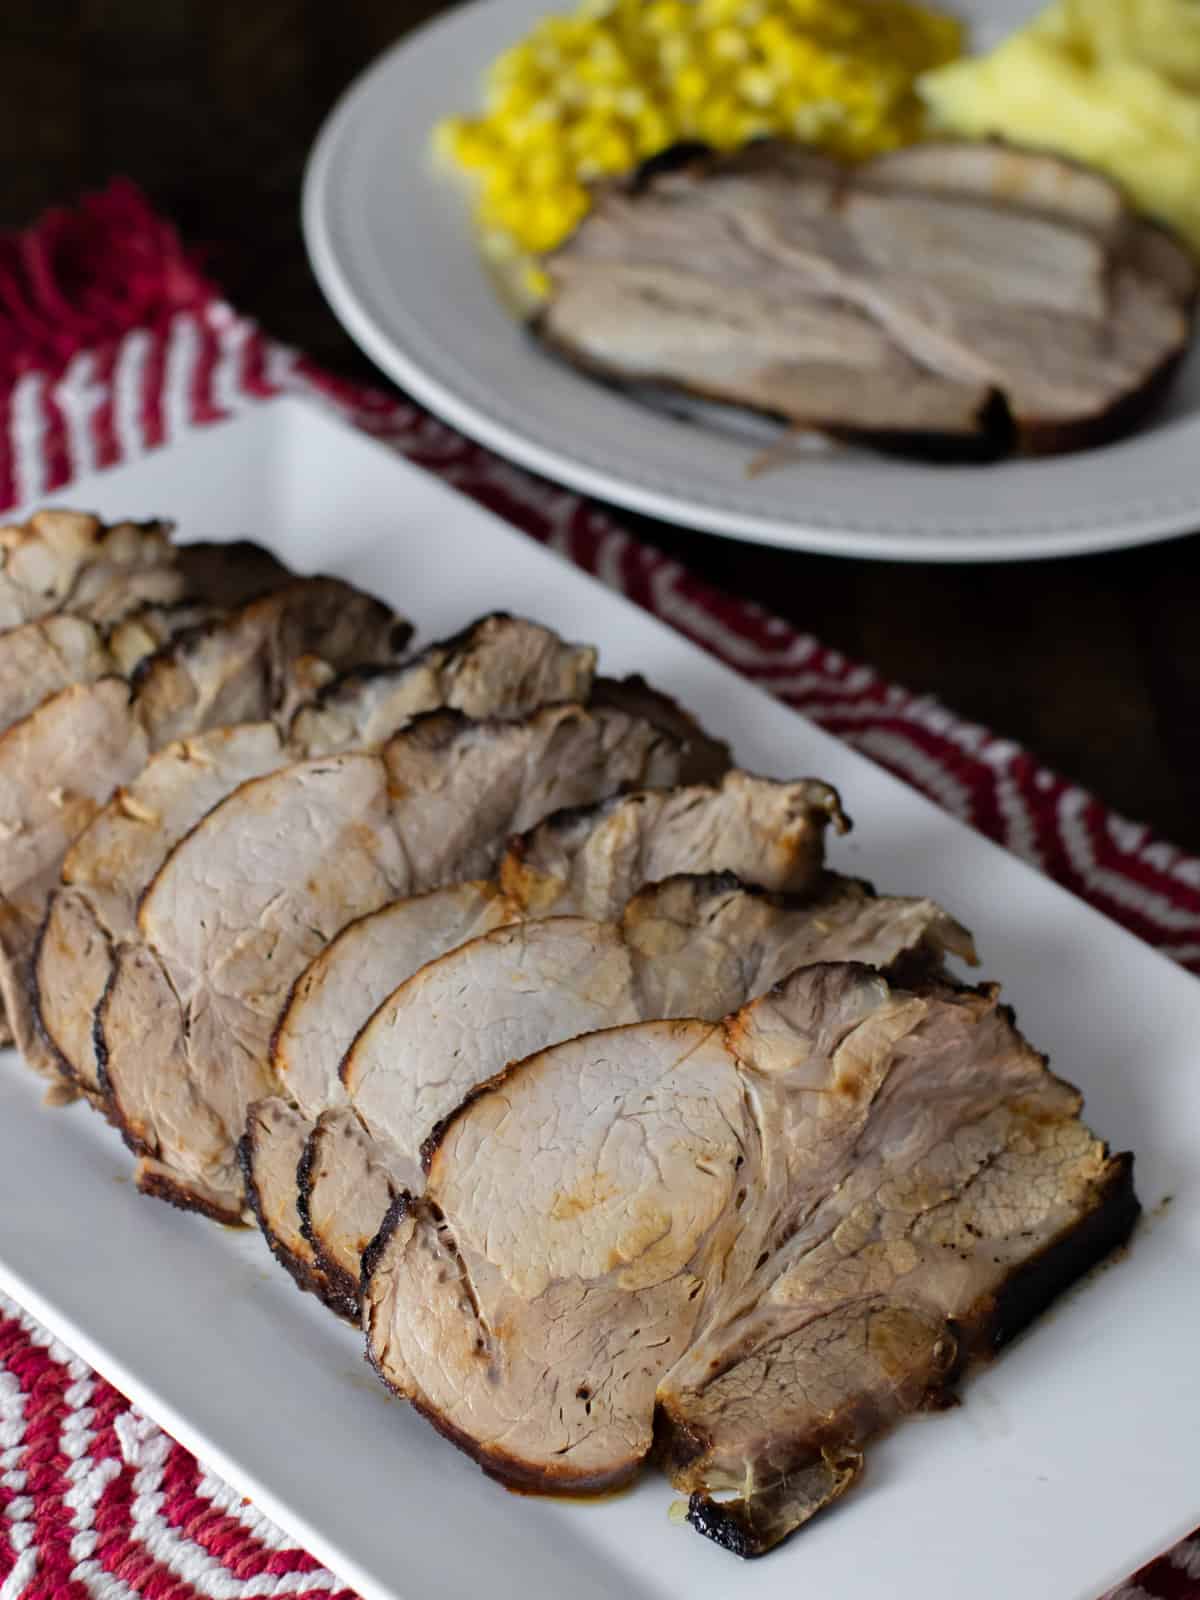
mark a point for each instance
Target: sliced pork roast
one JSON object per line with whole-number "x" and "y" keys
{"x": 328, "y": 1003}
{"x": 244, "y": 902}
{"x": 71, "y": 561}
{"x": 326, "y": 1008}
{"x": 963, "y": 297}
{"x": 66, "y": 646}
{"x": 62, "y": 763}
{"x": 590, "y": 861}
{"x": 501, "y": 665}
{"x": 746, "y": 1246}
{"x": 692, "y": 945}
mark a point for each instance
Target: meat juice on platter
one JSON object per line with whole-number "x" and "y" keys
{"x": 526, "y": 1027}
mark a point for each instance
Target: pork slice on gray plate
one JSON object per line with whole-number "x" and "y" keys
{"x": 259, "y": 886}
{"x": 500, "y": 665}
{"x": 61, "y": 764}
{"x": 901, "y": 299}
{"x": 692, "y": 946}
{"x": 591, "y": 861}
{"x": 747, "y": 1245}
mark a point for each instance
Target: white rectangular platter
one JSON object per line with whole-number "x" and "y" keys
{"x": 1075, "y": 1456}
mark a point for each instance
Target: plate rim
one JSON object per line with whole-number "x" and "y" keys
{"x": 1136, "y": 524}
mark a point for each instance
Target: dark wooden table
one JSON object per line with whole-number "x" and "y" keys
{"x": 211, "y": 105}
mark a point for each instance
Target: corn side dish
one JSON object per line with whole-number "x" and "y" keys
{"x": 594, "y": 93}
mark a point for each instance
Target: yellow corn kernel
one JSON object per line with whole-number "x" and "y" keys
{"x": 589, "y": 94}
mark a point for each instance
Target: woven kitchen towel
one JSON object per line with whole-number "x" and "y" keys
{"x": 113, "y": 343}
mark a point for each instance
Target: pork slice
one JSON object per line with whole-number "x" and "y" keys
{"x": 960, "y": 300}
{"x": 39, "y": 658}
{"x": 270, "y": 1151}
{"x": 126, "y": 844}
{"x": 234, "y": 668}
{"x": 704, "y": 759}
{"x": 328, "y": 1003}
{"x": 345, "y": 1183}
{"x": 749, "y": 1244}
{"x": 70, "y": 560}
{"x": 593, "y": 860}
{"x": 499, "y": 666}
{"x": 1008, "y": 177}
{"x": 692, "y": 945}
{"x": 110, "y": 864}
{"x": 57, "y": 768}
{"x": 249, "y": 897}
{"x": 62, "y": 647}
{"x": 94, "y": 738}
{"x": 809, "y": 358}
{"x": 338, "y": 991}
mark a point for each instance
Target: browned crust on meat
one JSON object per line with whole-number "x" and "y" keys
{"x": 498, "y": 1464}
{"x": 994, "y": 1322}
{"x": 336, "y": 1288}
{"x": 1038, "y": 438}
{"x": 307, "y": 1275}
{"x": 154, "y": 1181}
{"x": 976, "y": 1337}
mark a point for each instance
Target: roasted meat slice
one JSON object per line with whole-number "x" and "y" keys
{"x": 61, "y": 764}
{"x": 963, "y": 297}
{"x": 690, "y": 946}
{"x": 330, "y": 1000}
{"x": 109, "y": 866}
{"x": 749, "y": 1245}
{"x": 591, "y": 861}
{"x": 498, "y": 666}
{"x": 244, "y": 902}
{"x": 71, "y": 561}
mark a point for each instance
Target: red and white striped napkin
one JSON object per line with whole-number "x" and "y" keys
{"x": 113, "y": 343}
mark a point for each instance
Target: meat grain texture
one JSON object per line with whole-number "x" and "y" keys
{"x": 744, "y": 1247}
{"x": 962, "y": 300}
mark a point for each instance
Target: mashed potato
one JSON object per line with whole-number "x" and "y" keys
{"x": 1114, "y": 83}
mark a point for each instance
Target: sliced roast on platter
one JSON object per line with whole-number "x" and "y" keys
{"x": 954, "y": 299}
{"x": 747, "y": 1246}
{"x": 245, "y": 901}
{"x": 500, "y": 664}
{"x": 328, "y": 1004}
{"x": 691, "y": 944}
{"x": 61, "y": 764}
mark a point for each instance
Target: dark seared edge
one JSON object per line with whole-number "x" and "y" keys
{"x": 971, "y": 1339}
{"x": 335, "y": 1287}
{"x": 302, "y": 1273}
{"x": 1039, "y": 1281}
{"x": 159, "y": 1186}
